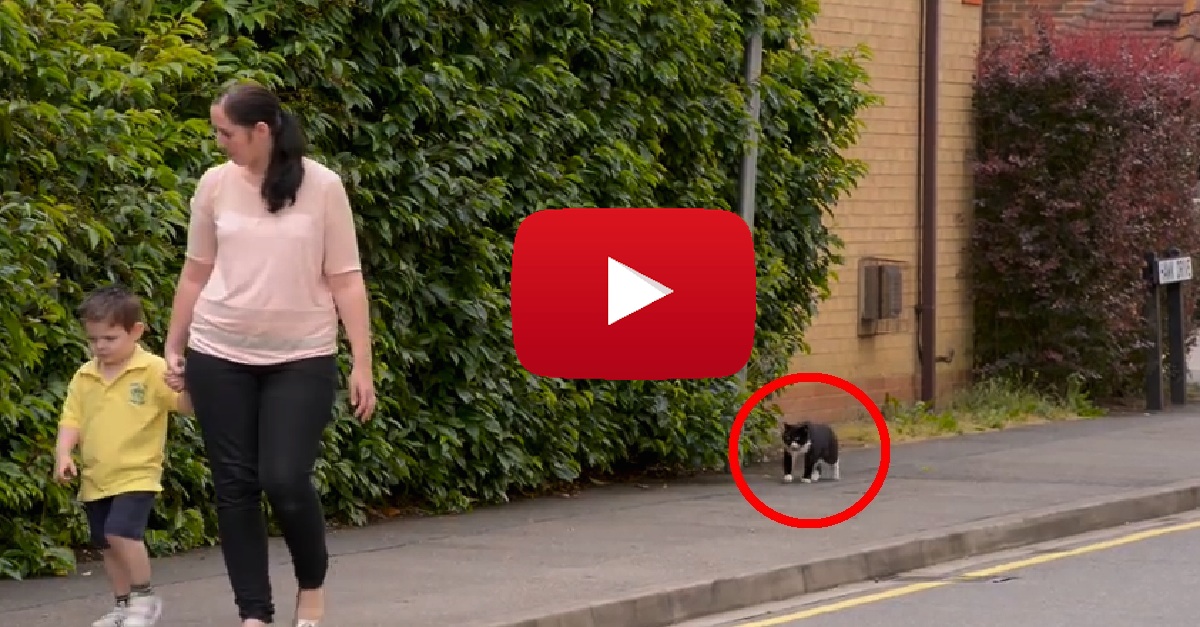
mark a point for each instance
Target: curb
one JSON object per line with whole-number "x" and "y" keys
{"x": 661, "y": 609}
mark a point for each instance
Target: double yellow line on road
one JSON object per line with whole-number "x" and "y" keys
{"x": 977, "y": 574}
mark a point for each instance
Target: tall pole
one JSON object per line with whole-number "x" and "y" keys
{"x": 749, "y": 173}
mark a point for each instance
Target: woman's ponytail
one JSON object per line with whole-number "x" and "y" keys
{"x": 248, "y": 104}
{"x": 285, "y": 172}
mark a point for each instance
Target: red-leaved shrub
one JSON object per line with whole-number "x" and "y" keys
{"x": 1087, "y": 147}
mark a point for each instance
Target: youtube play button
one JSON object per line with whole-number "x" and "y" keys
{"x": 630, "y": 291}
{"x": 625, "y": 294}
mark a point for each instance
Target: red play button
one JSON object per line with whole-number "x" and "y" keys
{"x": 633, "y": 293}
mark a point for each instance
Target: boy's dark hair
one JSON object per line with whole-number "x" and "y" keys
{"x": 114, "y": 305}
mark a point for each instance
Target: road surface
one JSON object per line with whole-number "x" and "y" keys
{"x": 1137, "y": 576}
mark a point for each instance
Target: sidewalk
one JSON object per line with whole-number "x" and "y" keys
{"x": 502, "y": 565}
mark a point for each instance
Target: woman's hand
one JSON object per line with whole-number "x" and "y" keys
{"x": 174, "y": 374}
{"x": 362, "y": 392}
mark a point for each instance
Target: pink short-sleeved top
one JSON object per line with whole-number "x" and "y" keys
{"x": 268, "y": 300}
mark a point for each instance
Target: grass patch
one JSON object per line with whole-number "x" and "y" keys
{"x": 989, "y": 405}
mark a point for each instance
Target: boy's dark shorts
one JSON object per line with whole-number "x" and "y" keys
{"x": 122, "y": 515}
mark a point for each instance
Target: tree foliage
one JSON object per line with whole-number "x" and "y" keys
{"x": 449, "y": 122}
{"x": 1088, "y": 147}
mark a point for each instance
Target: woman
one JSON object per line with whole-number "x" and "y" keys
{"x": 272, "y": 261}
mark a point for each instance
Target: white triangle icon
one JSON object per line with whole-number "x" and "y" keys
{"x": 630, "y": 290}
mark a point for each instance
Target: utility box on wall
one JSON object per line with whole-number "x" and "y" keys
{"x": 881, "y": 296}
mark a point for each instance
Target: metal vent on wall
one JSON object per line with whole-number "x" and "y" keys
{"x": 881, "y": 296}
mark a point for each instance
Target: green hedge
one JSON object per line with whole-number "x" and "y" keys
{"x": 450, "y": 122}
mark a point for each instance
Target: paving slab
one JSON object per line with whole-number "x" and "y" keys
{"x": 532, "y": 559}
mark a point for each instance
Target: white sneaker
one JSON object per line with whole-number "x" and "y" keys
{"x": 114, "y": 618}
{"x": 143, "y": 611}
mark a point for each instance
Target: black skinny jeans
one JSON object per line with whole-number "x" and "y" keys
{"x": 262, "y": 428}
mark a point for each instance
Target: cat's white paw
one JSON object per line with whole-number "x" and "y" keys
{"x": 787, "y": 478}
{"x": 837, "y": 472}
{"x": 816, "y": 476}
{"x": 805, "y": 480}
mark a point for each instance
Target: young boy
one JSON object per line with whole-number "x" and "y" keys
{"x": 116, "y": 411}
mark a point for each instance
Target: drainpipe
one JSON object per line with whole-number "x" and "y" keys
{"x": 927, "y": 305}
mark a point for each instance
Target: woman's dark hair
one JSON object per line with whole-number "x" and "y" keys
{"x": 247, "y": 104}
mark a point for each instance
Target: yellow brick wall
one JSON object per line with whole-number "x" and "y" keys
{"x": 880, "y": 218}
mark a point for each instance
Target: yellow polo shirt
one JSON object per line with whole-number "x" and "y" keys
{"x": 122, "y": 425}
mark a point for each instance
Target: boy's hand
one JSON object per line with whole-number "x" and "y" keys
{"x": 64, "y": 469}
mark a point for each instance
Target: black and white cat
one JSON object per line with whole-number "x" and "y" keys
{"x": 813, "y": 443}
